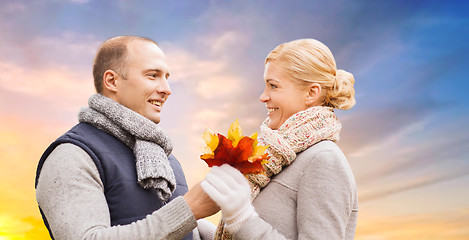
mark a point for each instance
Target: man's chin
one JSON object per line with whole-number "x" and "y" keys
{"x": 155, "y": 119}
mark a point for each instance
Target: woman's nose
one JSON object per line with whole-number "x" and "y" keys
{"x": 263, "y": 97}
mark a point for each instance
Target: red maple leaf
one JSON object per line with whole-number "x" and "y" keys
{"x": 237, "y": 150}
{"x": 240, "y": 157}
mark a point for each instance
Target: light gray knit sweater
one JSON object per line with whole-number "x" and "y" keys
{"x": 313, "y": 198}
{"x": 71, "y": 194}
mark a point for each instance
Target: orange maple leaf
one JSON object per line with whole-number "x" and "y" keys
{"x": 237, "y": 150}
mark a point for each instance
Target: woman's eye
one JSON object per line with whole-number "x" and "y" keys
{"x": 273, "y": 86}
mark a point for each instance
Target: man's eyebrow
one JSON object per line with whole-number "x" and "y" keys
{"x": 158, "y": 71}
{"x": 154, "y": 70}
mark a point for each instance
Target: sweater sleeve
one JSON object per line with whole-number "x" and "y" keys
{"x": 325, "y": 196}
{"x": 257, "y": 229}
{"x": 71, "y": 195}
{"x": 324, "y": 203}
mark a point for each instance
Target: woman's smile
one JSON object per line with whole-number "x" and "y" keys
{"x": 271, "y": 110}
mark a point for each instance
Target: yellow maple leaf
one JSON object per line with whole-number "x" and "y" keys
{"x": 234, "y": 133}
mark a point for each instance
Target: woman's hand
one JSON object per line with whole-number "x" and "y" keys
{"x": 231, "y": 191}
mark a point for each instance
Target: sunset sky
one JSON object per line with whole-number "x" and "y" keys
{"x": 407, "y": 139}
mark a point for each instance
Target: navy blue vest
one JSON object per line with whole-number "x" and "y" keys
{"x": 127, "y": 201}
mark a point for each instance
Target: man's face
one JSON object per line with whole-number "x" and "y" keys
{"x": 145, "y": 88}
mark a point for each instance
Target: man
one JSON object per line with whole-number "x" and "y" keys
{"x": 112, "y": 176}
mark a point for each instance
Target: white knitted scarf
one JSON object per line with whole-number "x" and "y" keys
{"x": 150, "y": 144}
{"x": 297, "y": 133}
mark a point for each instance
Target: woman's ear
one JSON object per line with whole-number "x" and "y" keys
{"x": 110, "y": 81}
{"x": 314, "y": 95}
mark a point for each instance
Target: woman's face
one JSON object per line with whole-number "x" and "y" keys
{"x": 281, "y": 96}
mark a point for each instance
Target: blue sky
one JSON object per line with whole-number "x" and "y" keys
{"x": 406, "y": 139}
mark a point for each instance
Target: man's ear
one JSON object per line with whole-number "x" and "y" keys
{"x": 313, "y": 94}
{"x": 110, "y": 81}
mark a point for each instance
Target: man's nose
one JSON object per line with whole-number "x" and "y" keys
{"x": 165, "y": 88}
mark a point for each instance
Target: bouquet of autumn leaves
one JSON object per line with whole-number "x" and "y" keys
{"x": 241, "y": 152}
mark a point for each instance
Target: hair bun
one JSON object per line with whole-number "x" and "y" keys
{"x": 342, "y": 93}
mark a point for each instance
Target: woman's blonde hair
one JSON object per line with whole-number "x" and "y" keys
{"x": 310, "y": 61}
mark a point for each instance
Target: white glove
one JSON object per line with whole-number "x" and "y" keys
{"x": 206, "y": 229}
{"x": 231, "y": 191}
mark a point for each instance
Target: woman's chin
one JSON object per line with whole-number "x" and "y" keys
{"x": 272, "y": 125}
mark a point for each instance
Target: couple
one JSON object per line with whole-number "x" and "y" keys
{"x": 112, "y": 176}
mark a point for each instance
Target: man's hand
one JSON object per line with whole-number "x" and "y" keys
{"x": 200, "y": 203}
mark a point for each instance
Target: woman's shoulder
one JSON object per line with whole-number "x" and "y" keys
{"x": 324, "y": 156}
{"x": 321, "y": 151}
{"x": 326, "y": 159}
{"x": 317, "y": 156}
{"x": 320, "y": 166}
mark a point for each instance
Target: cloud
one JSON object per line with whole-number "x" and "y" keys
{"x": 218, "y": 86}
{"x": 447, "y": 225}
{"x": 368, "y": 127}
{"x": 79, "y": 1}
{"x": 226, "y": 43}
{"x": 45, "y": 93}
{"x": 419, "y": 153}
{"x": 208, "y": 117}
{"x": 22, "y": 142}
{"x": 188, "y": 68}
{"x": 70, "y": 49}
{"x": 60, "y": 82}
{"x": 27, "y": 228}
{"x": 46, "y": 78}
{"x": 14, "y": 7}
{"x": 211, "y": 76}
{"x": 27, "y": 64}
{"x": 38, "y": 231}
{"x": 412, "y": 184}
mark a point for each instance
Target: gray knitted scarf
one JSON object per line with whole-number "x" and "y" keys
{"x": 150, "y": 144}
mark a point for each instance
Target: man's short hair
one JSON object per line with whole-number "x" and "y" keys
{"x": 112, "y": 55}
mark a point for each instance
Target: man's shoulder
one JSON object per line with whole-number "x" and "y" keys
{"x": 68, "y": 154}
{"x": 91, "y": 138}
{"x": 83, "y": 129}
{"x": 75, "y": 144}
{"x": 66, "y": 157}
{"x": 68, "y": 149}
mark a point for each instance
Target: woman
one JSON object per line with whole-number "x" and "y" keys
{"x": 308, "y": 191}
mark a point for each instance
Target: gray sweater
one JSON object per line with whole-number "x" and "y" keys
{"x": 71, "y": 195}
{"x": 313, "y": 198}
